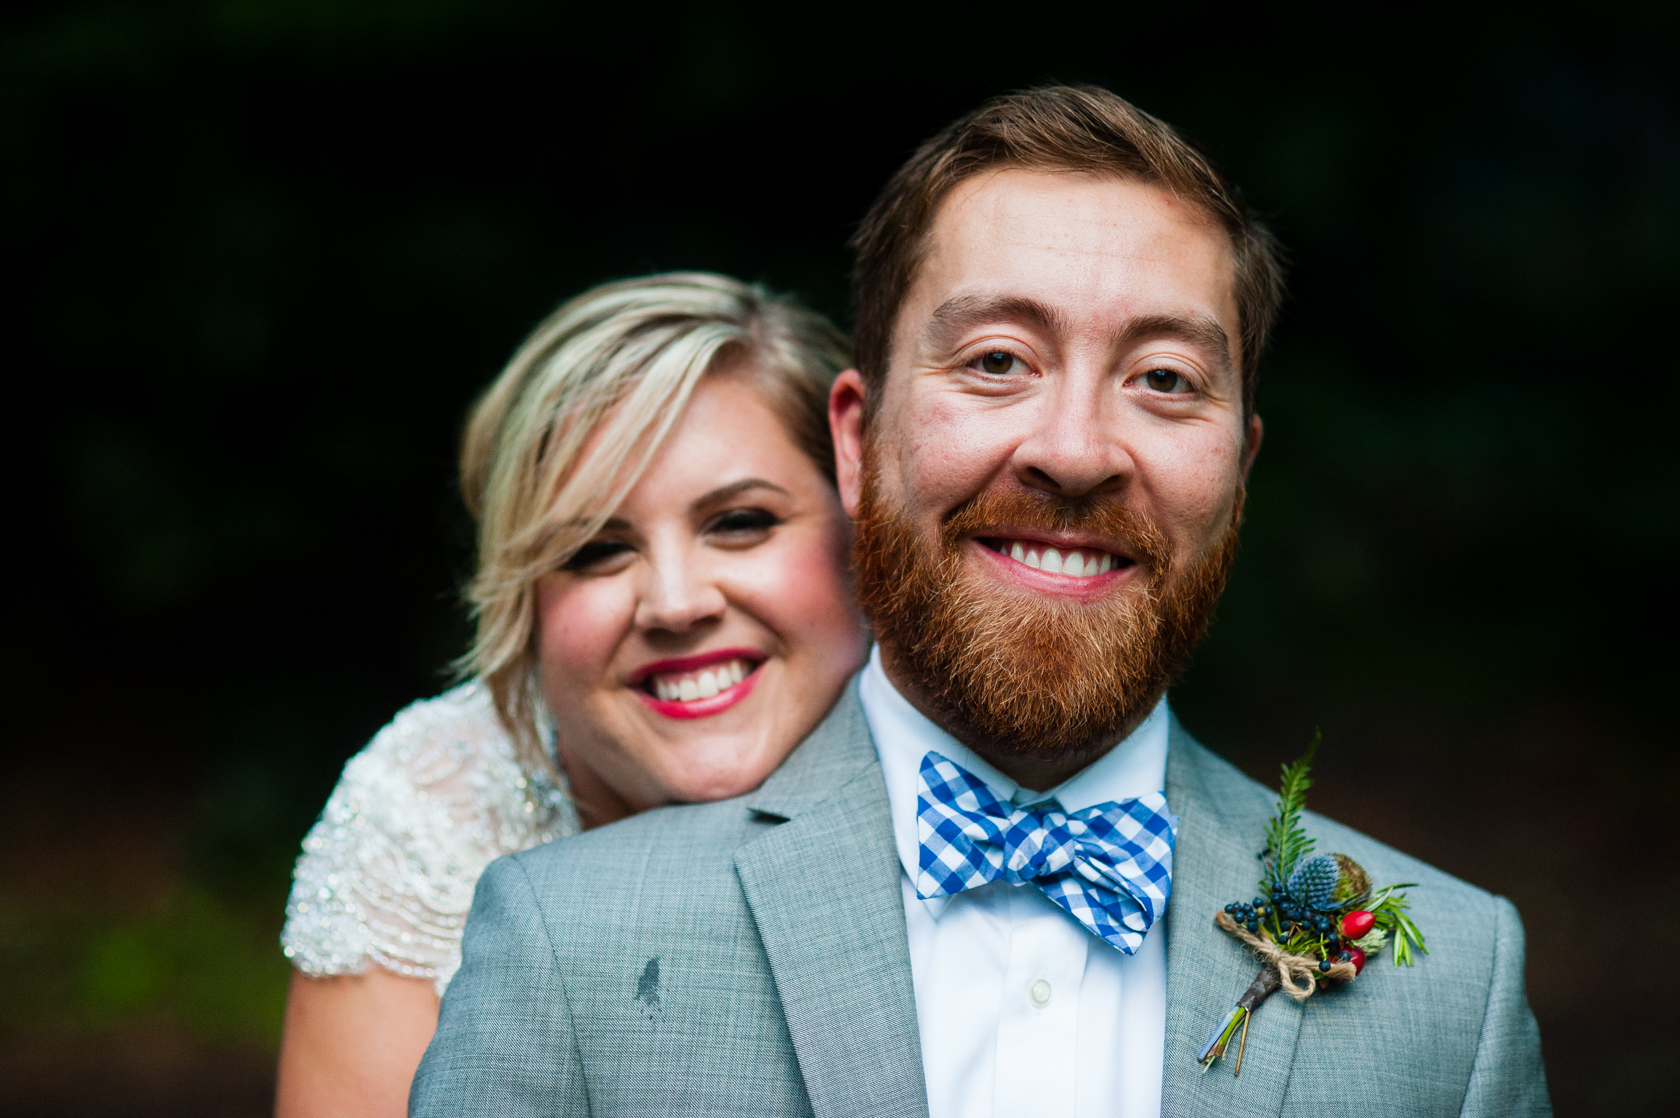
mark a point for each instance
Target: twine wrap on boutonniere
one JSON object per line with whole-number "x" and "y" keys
{"x": 1316, "y": 921}
{"x": 1297, "y": 975}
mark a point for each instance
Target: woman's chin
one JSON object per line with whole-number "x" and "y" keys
{"x": 717, "y": 784}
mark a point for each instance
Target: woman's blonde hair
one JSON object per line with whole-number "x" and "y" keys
{"x": 615, "y": 365}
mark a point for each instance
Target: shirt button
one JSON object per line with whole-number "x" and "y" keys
{"x": 1038, "y": 992}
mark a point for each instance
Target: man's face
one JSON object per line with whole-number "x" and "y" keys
{"x": 1063, "y": 376}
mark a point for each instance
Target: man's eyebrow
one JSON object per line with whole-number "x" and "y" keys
{"x": 734, "y": 489}
{"x": 1200, "y": 330}
{"x": 961, "y": 312}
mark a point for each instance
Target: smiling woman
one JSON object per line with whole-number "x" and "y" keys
{"x": 663, "y": 613}
{"x": 708, "y": 626}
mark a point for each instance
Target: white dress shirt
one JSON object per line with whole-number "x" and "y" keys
{"x": 1021, "y": 1010}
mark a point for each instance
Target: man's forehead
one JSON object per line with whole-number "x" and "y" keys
{"x": 1066, "y": 238}
{"x": 1069, "y": 195}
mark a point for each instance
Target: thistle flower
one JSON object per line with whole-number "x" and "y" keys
{"x": 1314, "y": 882}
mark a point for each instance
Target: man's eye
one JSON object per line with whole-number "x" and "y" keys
{"x": 742, "y": 521}
{"x": 998, "y": 363}
{"x": 594, "y": 553}
{"x": 1165, "y": 380}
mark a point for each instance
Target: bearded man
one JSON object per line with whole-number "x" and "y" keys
{"x": 1061, "y": 308}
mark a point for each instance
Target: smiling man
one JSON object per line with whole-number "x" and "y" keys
{"x": 1048, "y": 492}
{"x": 1061, "y": 307}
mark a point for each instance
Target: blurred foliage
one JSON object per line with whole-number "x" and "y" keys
{"x": 260, "y": 254}
{"x": 190, "y": 959}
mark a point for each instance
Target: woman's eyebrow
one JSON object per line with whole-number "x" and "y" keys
{"x": 734, "y": 489}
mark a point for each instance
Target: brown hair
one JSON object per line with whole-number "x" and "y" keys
{"x": 1054, "y": 128}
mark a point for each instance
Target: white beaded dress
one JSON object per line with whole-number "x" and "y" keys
{"x": 387, "y": 875}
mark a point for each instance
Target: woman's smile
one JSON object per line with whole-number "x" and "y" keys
{"x": 697, "y": 686}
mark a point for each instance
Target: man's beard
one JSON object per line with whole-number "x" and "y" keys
{"x": 1026, "y": 674}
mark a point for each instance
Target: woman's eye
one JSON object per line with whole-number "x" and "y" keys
{"x": 594, "y": 553}
{"x": 1165, "y": 380}
{"x": 742, "y": 521}
{"x": 998, "y": 363}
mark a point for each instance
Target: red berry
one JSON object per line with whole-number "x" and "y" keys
{"x": 1356, "y": 924}
{"x": 1356, "y": 956}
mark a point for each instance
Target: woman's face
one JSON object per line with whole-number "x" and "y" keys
{"x": 692, "y": 644}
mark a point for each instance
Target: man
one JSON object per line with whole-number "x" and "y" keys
{"x": 1061, "y": 306}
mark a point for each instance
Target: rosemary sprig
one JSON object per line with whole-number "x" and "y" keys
{"x": 1390, "y": 911}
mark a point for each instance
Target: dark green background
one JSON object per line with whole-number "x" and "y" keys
{"x": 258, "y": 256}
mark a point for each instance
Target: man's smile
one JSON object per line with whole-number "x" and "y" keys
{"x": 1074, "y": 561}
{"x": 1047, "y": 569}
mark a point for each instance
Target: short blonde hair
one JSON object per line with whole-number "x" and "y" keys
{"x": 615, "y": 365}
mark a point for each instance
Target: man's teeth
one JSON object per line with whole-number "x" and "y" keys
{"x": 1080, "y": 564}
{"x": 686, "y": 687}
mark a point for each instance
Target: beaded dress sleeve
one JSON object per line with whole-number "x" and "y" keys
{"x": 387, "y": 875}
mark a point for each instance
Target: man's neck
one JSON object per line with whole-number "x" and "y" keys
{"x": 1039, "y": 774}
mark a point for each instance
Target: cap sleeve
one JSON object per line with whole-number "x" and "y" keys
{"x": 387, "y": 875}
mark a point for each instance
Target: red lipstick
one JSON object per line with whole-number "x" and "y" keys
{"x": 697, "y": 708}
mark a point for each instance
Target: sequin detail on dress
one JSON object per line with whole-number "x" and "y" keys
{"x": 387, "y": 875}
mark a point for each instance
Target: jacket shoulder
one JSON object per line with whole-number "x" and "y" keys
{"x": 669, "y": 850}
{"x": 1246, "y": 804}
{"x": 1461, "y": 1007}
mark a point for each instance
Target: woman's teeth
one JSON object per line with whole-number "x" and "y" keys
{"x": 1076, "y": 562}
{"x": 686, "y": 687}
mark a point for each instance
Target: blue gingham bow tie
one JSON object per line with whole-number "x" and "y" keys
{"x": 1109, "y": 865}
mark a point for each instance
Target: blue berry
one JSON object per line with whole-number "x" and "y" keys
{"x": 1325, "y": 965}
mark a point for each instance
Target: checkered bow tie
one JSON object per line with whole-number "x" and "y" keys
{"x": 1109, "y": 865}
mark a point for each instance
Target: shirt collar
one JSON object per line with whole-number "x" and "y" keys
{"x": 903, "y": 736}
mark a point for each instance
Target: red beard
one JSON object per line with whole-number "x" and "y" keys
{"x": 1023, "y": 674}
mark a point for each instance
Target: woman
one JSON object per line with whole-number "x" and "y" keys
{"x": 663, "y": 613}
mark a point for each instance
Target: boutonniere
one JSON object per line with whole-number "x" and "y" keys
{"x": 1316, "y": 921}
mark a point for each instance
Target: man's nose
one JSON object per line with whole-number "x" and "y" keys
{"x": 1076, "y": 446}
{"x": 677, "y": 595}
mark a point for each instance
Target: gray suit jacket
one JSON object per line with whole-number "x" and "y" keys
{"x": 750, "y": 957}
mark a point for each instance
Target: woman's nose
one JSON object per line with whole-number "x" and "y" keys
{"x": 677, "y": 596}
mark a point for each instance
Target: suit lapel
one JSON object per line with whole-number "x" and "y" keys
{"x": 1215, "y": 863}
{"x": 824, "y": 891}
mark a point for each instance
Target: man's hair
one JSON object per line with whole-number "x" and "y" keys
{"x": 1054, "y": 128}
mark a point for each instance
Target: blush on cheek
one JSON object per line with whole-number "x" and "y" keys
{"x": 819, "y": 587}
{"x": 800, "y": 591}
{"x": 580, "y": 625}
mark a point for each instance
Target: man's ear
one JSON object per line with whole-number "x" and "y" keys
{"x": 1250, "y": 449}
{"x": 845, "y": 424}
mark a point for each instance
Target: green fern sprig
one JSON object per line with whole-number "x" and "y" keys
{"x": 1286, "y": 840}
